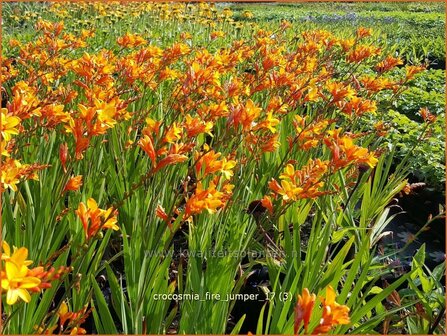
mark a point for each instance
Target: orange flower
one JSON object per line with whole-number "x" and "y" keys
{"x": 376, "y": 84}
{"x": 206, "y": 199}
{"x": 83, "y": 215}
{"x": 168, "y": 74}
{"x": 46, "y": 276}
{"x": 268, "y": 123}
{"x": 339, "y": 91}
{"x": 214, "y": 35}
{"x": 361, "y": 53}
{"x": 130, "y": 40}
{"x": 213, "y": 111}
{"x": 25, "y": 103}
{"x": 266, "y": 202}
{"x": 358, "y": 106}
{"x": 309, "y": 134}
{"x": 147, "y": 145}
{"x": 303, "y": 310}
{"x": 363, "y": 32}
{"x": 152, "y": 126}
{"x": 333, "y": 313}
{"x": 427, "y": 116}
{"x": 269, "y": 143}
{"x": 177, "y": 50}
{"x": 81, "y": 141}
{"x": 90, "y": 66}
{"x": 196, "y": 126}
{"x": 63, "y": 153}
{"x": 185, "y": 36}
{"x": 208, "y": 163}
{"x": 387, "y": 64}
{"x": 303, "y": 183}
{"x": 53, "y": 28}
{"x": 99, "y": 117}
{"x": 275, "y": 186}
{"x": 69, "y": 322}
{"x": 380, "y": 128}
{"x": 340, "y": 312}
{"x": 245, "y": 115}
{"x": 346, "y": 44}
{"x": 161, "y": 213}
{"x": 55, "y": 114}
{"x": 94, "y": 218}
{"x": 78, "y": 331}
{"x": 64, "y": 314}
{"x": 74, "y": 183}
{"x": 268, "y": 63}
{"x": 173, "y": 133}
{"x": 170, "y": 159}
{"x": 412, "y": 70}
{"x": 344, "y": 152}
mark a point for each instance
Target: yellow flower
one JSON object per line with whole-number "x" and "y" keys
{"x": 3, "y": 148}
{"x": 16, "y": 283}
{"x": 290, "y": 191}
{"x": 11, "y": 174}
{"x": 111, "y": 221}
{"x": 173, "y": 134}
{"x": 289, "y": 172}
{"x": 247, "y": 14}
{"x": 15, "y": 279}
{"x": 18, "y": 256}
{"x": 8, "y": 125}
{"x": 227, "y": 167}
{"x": 270, "y": 122}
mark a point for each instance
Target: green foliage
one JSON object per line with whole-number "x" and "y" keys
{"x": 401, "y": 114}
{"x": 426, "y": 153}
{"x": 426, "y": 90}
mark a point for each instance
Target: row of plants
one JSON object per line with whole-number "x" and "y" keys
{"x": 417, "y": 29}
{"x": 250, "y": 149}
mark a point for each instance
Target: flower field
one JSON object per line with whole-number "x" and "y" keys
{"x": 219, "y": 168}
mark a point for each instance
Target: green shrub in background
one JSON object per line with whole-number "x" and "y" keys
{"x": 428, "y": 90}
